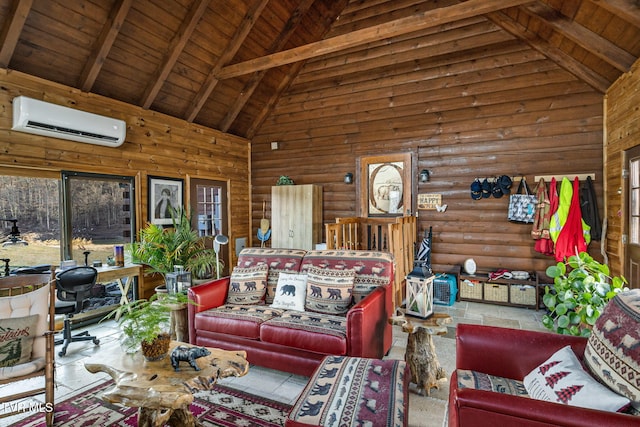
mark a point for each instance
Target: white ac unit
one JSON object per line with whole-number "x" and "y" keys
{"x": 43, "y": 118}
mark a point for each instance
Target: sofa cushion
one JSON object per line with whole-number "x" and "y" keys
{"x": 278, "y": 260}
{"x": 290, "y": 291}
{"x": 561, "y": 379}
{"x": 16, "y": 339}
{"x": 240, "y": 320}
{"x": 372, "y": 268}
{"x": 613, "y": 349}
{"x": 329, "y": 290}
{"x": 247, "y": 285}
{"x": 481, "y": 381}
{"x": 318, "y": 332}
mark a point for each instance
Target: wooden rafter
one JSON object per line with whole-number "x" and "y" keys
{"x": 280, "y": 41}
{"x": 173, "y": 51}
{"x": 249, "y": 20}
{"x": 11, "y": 33}
{"x": 625, "y": 9}
{"x": 398, "y": 27}
{"x": 103, "y": 44}
{"x": 558, "y": 56}
{"x": 588, "y": 40}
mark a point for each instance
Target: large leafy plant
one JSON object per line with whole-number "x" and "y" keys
{"x": 162, "y": 248}
{"x": 581, "y": 288}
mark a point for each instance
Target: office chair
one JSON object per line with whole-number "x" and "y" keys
{"x": 73, "y": 287}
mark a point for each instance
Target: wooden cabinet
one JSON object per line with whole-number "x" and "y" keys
{"x": 296, "y": 216}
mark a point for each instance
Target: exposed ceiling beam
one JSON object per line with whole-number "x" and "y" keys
{"x": 11, "y": 32}
{"x": 629, "y": 10}
{"x": 280, "y": 41}
{"x": 558, "y": 56}
{"x": 398, "y": 27}
{"x": 174, "y": 50}
{"x": 103, "y": 44}
{"x": 583, "y": 37}
{"x": 249, "y": 20}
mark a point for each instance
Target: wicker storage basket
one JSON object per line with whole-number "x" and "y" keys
{"x": 496, "y": 292}
{"x": 471, "y": 289}
{"x": 523, "y": 294}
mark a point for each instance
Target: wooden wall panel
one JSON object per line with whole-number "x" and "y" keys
{"x": 501, "y": 108}
{"x": 156, "y": 144}
{"x": 622, "y": 125}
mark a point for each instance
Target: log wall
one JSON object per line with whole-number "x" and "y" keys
{"x": 476, "y": 104}
{"x": 622, "y": 113}
{"x": 156, "y": 144}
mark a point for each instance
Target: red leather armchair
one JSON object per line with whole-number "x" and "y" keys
{"x": 513, "y": 353}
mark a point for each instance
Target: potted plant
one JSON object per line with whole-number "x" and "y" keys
{"x": 145, "y": 324}
{"x": 163, "y": 248}
{"x": 581, "y": 288}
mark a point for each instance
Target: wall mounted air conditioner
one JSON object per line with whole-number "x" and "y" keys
{"x": 42, "y": 118}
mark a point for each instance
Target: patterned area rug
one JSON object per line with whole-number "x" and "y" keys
{"x": 223, "y": 406}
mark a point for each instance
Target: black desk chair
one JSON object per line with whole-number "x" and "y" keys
{"x": 73, "y": 287}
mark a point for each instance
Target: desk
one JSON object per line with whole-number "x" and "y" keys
{"x": 118, "y": 275}
{"x": 161, "y": 394}
{"x": 420, "y": 354}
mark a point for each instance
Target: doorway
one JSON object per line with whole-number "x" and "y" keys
{"x": 632, "y": 261}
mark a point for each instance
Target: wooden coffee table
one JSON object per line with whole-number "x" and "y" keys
{"x": 420, "y": 354}
{"x": 161, "y": 394}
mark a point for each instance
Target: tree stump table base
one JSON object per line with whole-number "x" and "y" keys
{"x": 420, "y": 354}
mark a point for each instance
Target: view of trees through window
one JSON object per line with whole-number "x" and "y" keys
{"x": 99, "y": 217}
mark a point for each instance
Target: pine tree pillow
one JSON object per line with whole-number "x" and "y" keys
{"x": 561, "y": 379}
{"x": 16, "y": 339}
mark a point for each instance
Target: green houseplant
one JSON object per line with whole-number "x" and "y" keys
{"x": 163, "y": 248}
{"x": 581, "y": 288}
{"x": 145, "y": 324}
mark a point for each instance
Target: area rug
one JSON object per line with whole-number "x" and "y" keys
{"x": 223, "y": 406}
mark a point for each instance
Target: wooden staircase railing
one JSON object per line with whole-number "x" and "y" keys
{"x": 395, "y": 235}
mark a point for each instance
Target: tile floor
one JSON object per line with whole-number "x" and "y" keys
{"x": 424, "y": 411}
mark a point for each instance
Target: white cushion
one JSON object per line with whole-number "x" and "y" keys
{"x": 290, "y": 291}
{"x": 27, "y": 368}
{"x": 561, "y": 379}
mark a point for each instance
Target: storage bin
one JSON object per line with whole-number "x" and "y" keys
{"x": 523, "y": 294}
{"x": 445, "y": 289}
{"x": 471, "y": 289}
{"x": 496, "y": 292}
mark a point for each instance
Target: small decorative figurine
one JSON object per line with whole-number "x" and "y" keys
{"x": 187, "y": 354}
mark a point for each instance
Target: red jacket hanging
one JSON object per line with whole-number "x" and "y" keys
{"x": 571, "y": 238}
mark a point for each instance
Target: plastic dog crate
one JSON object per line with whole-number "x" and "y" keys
{"x": 445, "y": 289}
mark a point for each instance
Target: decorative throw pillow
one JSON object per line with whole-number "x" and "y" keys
{"x": 16, "y": 339}
{"x": 613, "y": 350}
{"x": 329, "y": 290}
{"x": 247, "y": 285}
{"x": 290, "y": 291}
{"x": 561, "y": 379}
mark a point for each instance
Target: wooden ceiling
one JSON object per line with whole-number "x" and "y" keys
{"x": 225, "y": 63}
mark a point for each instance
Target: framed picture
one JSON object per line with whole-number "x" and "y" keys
{"x": 164, "y": 194}
{"x": 385, "y": 185}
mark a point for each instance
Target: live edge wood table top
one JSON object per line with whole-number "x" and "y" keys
{"x": 161, "y": 393}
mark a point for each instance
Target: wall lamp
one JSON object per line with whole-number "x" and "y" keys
{"x": 348, "y": 178}
{"x": 424, "y": 175}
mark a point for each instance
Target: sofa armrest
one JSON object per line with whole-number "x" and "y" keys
{"x": 204, "y": 297}
{"x": 367, "y": 325}
{"x": 509, "y": 353}
{"x": 484, "y": 408}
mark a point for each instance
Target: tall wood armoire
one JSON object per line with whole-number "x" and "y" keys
{"x": 296, "y": 216}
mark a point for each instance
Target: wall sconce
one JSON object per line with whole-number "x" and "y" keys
{"x": 424, "y": 175}
{"x": 348, "y": 178}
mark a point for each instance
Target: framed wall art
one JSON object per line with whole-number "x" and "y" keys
{"x": 164, "y": 194}
{"x": 385, "y": 185}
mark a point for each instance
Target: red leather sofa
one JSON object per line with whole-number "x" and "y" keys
{"x": 513, "y": 353}
{"x": 364, "y": 331}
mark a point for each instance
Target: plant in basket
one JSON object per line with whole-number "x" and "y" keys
{"x": 581, "y": 288}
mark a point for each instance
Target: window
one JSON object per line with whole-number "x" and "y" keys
{"x": 98, "y": 212}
